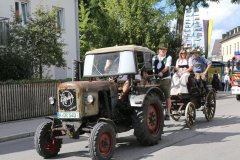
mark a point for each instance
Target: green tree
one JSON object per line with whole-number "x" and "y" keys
{"x": 44, "y": 40}
{"x": 96, "y": 27}
{"x": 114, "y": 22}
{"x": 137, "y": 22}
{"x": 85, "y": 28}
{"x": 235, "y": 1}
{"x": 33, "y": 45}
{"x": 120, "y": 22}
{"x": 14, "y": 57}
{"x": 13, "y": 66}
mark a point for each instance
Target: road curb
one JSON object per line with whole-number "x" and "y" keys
{"x": 17, "y": 136}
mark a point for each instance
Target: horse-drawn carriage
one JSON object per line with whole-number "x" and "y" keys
{"x": 197, "y": 99}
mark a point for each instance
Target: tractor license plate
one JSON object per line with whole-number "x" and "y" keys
{"x": 68, "y": 115}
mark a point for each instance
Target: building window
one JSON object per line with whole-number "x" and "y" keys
{"x": 4, "y": 31}
{"x": 227, "y": 50}
{"x": 60, "y": 18}
{"x": 238, "y": 46}
{"x": 25, "y": 13}
{"x": 17, "y": 9}
{"x": 230, "y": 50}
{"x": 22, "y": 10}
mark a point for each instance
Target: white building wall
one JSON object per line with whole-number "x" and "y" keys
{"x": 70, "y": 33}
{"x": 5, "y": 8}
{"x": 229, "y": 47}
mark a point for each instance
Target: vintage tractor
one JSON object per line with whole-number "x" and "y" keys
{"x": 117, "y": 97}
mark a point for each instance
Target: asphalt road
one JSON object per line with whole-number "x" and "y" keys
{"x": 218, "y": 139}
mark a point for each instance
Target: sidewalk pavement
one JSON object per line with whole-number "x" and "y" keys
{"x": 221, "y": 94}
{"x": 19, "y": 129}
{"x": 25, "y": 128}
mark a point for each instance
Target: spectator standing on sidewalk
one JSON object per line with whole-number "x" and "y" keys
{"x": 216, "y": 81}
{"x": 222, "y": 82}
{"x": 226, "y": 82}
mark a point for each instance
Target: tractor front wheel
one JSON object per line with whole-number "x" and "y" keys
{"x": 102, "y": 141}
{"x": 45, "y": 142}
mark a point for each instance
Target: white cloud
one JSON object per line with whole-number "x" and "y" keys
{"x": 218, "y": 11}
{"x": 225, "y": 16}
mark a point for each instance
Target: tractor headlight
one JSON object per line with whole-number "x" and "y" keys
{"x": 90, "y": 99}
{"x": 52, "y": 100}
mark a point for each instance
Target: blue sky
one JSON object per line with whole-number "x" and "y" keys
{"x": 225, "y": 16}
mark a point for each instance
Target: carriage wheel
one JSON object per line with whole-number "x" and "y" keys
{"x": 190, "y": 114}
{"x": 175, "y": 114}
{"x": 210, "y": 106}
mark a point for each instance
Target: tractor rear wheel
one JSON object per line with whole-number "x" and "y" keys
{"x": 148, "y": 120}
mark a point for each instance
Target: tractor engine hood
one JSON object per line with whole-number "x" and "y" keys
{"x": 83, "y": 96}
{"x": 88, "y": 86}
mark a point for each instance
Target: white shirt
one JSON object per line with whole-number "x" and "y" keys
{"x": 226, "y": 78}
{"x": 168, "y": 60}
{"x": 181, "y": 62}
{"x": 223, "y": 79}
{"x": 167, "y": 64}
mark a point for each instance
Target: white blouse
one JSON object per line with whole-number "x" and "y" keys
{"x": 181, "y": 62}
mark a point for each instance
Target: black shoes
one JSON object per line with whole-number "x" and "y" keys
{"x": 167, "y": 117}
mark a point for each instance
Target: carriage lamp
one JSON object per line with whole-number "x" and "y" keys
{"x": 90, "y": 99}
{"x": 52, "y": 100}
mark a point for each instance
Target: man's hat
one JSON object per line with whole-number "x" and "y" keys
{"x": 163, "y": 46}
{"x": 195, "y": 51}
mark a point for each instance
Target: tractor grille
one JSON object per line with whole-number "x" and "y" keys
{"x": 67, "y": 100}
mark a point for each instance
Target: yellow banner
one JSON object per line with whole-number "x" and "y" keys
{"x": 210, "y": 26}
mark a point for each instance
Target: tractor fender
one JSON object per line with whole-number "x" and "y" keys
{"x": 107, "y": 121}
{"x": 137, "y": 100}
{"x": 55, "y": 120}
